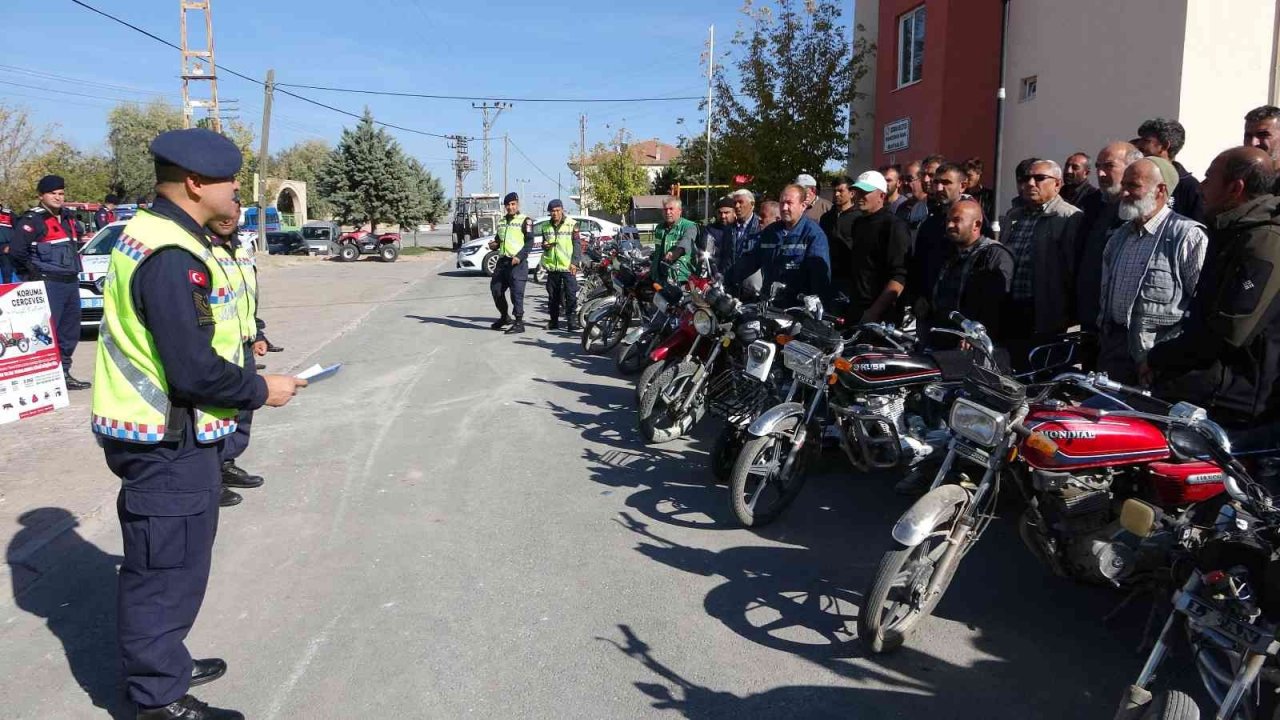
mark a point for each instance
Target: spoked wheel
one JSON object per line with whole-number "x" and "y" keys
{"x": 767, "y": 475}
{"x": 589, "y": 303}
{"x": 724, "y": 453}
{"x": 632, "y": 358}
{"x": 647, "y": 376}
{"x": 660, "y": 419}
{"x": 899, "y": 599}
{"x": 24, "y": 345}
{"x": 604, "y": 333}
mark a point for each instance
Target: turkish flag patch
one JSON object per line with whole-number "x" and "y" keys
{"x": 198, "y": 278}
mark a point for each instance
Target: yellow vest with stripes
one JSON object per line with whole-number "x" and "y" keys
{"x": 557, "y": 245}
{"x": 244, "y": 280}
{"x": 510, "y": 235}
{"x": 130, "y": 391}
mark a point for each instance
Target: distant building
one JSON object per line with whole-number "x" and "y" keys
{"x": 1080, "y": 74}
{"x": 652, "y": 155}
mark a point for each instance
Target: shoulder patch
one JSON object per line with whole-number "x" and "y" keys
{"x": 204, "y": 312}
{"x": 198, "y": 278}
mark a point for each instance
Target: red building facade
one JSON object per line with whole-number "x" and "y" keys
{"x": 936, "y": 80}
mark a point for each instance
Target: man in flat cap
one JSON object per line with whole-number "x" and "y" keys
{"x": 561, "y": 256}
{"x": 170, "y": 380}
{"x": 513, "y": 240}
{"x": 44, "y": 249}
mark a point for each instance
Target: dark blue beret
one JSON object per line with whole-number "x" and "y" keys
{"x": 201, "y": 151}
{"x": 49, "y": 183}
{"x": 554, "y": 204}
{"x": 509, "y": 197}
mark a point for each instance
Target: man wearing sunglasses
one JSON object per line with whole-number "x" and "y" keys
{"x": 1041, "y": 233}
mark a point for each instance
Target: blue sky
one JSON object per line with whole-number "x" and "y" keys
{"x": 561, "y": 48}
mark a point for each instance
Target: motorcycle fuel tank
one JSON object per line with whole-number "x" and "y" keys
{"x": 1183, "y": 483}
{"x": 883, "y": 369}
{"x": 1086, "y": 439}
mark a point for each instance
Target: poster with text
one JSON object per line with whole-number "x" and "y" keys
{"x": 31, "y": 381}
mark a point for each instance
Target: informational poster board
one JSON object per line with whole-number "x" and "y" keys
{"x": 31, "y": 381}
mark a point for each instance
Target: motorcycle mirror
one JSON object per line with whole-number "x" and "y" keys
{"x": 813, "y": 306}
{"x": 1139, "y": 518}
{"x": 1188, "y": 443}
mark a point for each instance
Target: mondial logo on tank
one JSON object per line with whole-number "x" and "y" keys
{"x": 1071, "y": 434}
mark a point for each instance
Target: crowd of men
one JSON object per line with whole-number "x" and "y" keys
{"x": 1172, "y": 275}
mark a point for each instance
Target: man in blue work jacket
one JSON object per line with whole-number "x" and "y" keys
{"x": 792, "y": 251}
{"x": 513, "y": 239}
{"x": 169, "y": 382}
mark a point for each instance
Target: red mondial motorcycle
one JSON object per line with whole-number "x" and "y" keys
{"x": 1072, "y": 454}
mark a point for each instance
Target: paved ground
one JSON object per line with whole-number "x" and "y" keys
{"x": 463, "y": 523}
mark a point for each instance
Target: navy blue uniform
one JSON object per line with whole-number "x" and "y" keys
{"x": 6, "y": 234}
{"x": 797, "y": 257}
{"x": 44, "y": 248}
{"x": 168, "y": 502}
{"x": 513, "y": 277}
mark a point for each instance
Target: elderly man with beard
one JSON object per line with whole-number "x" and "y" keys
{"x": 1111, "y": 162}
{"x": 1149, "y": 270}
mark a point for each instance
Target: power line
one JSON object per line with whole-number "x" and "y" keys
{"x": 256, "y": 81}
{"x": 493, "y": 98}
{"x": 531, "y": 162}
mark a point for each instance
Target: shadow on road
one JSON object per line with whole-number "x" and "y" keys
{"x": 77, "y": 599}
{"x": 457, "y": 321}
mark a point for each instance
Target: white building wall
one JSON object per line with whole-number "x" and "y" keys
{"x": 1102, "y": 66}
{"x": 1229, "y": 60}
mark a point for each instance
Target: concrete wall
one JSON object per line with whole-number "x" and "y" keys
{"x": 1102, "y": 66}
{"x": 1229, "y": 60}
{"x": 862, "y": 148}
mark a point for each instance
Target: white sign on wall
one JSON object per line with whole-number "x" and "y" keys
{"x": 897, "y": 135}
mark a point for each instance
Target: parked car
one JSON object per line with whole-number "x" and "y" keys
{"x": 321, "y": 236}
{"x": 476, "y": 255}
{"x": 286, "y": 242}
{"x": 94, "y": 258}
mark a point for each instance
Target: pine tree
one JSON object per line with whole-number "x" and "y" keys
{"x": 367, "y": 179}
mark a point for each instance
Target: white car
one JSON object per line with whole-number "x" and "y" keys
{"x": 476, "y": 255}
{"x": 94, "y": 258}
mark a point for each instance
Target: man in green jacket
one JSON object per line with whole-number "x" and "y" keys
{"x": 673, "y": 244}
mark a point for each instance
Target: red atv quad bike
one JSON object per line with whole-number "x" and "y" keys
{"x": 385, "y": 245}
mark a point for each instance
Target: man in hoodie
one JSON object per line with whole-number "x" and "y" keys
{"x": 1160, "y": 137}
{"x": 1228, "y": 357}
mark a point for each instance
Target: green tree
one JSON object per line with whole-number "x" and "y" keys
{"x": 668, "y": 176}
{"x": 21, "y": 140}
{"x": 613, "y": 177}
{"x": 303, "y": 162}
{"x": 368, "y": 180}
{"x": 784, "y": 111}
{"x": 130, "y": 129}
{"x": 428, "y": 193}
{"x": 88, "y": 175}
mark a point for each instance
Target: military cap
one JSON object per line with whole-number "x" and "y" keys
{"x": 509, "y": 197}
{"x": 49, "y": 183}
{"x": 554, "y": 204}
{"x": 203, "y": 152}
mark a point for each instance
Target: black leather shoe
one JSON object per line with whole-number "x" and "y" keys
{"x": 188, "y": 708}
{"x": 574, "y": 326}
{"x": 553, "y": 325}
{"x": 74, "y": 384}
{"x": 516, "y": 327}
{"x": 500, "y": 323}
{"x": 229, "y": 498}
{"x": 237, "y": 477}
{"x": 206, "y": 671}
{"x": 272, "y": 347}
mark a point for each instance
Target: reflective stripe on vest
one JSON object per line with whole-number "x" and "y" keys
{"x": 131, "y": 399}
{"x": 244, "y": 290}
{"x": 510, "y": 234}
{"x": 557, "y": 245}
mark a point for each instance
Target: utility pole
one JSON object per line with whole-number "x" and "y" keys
{"x": 582, "y": 164}
{"x": 523, "y": 184}
{"x": 199, "y": 65}
{"x": 268, "y": 90}
{"x": 488, "y": 121}
{"x": 506, "y": 146}
{"x": 462, "y": 166}
{"x": 706, "y": 172}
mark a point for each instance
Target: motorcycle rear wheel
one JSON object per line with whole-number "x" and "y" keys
{"x": 603, "y": 334}
{"x": 893, "y": 607}
{"x": 1172, "y": 705}
{"x": 657, "y": 426}
{"x": 761, "y": 473}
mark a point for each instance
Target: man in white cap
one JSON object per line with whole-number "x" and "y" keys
{"x": 817, "y": 204}
{"x": 878, "y": 257}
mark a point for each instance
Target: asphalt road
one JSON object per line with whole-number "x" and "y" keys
{"x": 463, "y": 523}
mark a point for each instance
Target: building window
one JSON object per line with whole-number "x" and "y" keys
{"x": 1028, "y": 89}
{"x": 911, "y": 47}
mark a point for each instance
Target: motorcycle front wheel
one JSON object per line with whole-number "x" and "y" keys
{"x": 603, "y": 334}
{"x": 897, "y": 601}
{"x": 1172, "y": 705}
{"x": 647, "y": 377}
{"x": 659, "y": 422}
{"x": 589, "y": 302}
{"x": 767, "y": 475}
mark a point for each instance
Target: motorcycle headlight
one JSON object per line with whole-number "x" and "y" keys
{"x": 973, "y": 422}
{"x": 704, "y": 322}
{"x": 471, "y": 250}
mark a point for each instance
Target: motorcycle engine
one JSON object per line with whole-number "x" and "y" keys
{"x": 916, "y": 440}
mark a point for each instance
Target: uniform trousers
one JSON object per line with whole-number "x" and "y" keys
{"x": 562, "y": 289}
{"x": 168, "y": 510}
{"x": 64, "y": 306}
{"x": 508, "y": 277}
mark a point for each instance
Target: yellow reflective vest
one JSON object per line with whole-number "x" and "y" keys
{"x": 131, "y": 398}
{"x": 557, "y": 245}
{"x": 510, "y": 235}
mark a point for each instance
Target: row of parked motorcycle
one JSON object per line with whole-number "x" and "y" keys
{"x": 1108, "y": 484}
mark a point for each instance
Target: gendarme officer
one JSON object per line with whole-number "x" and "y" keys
{"x": 513, "y": 240}
{"x": 170, "y": 379}
{"x": 561, "y": 256}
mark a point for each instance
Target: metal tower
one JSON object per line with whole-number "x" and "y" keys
{"x": 462, "y": 164}
{"x": 497, "y": 109}
{"x": 199, "y": 65}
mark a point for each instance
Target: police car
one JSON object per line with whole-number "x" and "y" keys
{"x": 476, "y": 255}
{"x": 94, "y": 258}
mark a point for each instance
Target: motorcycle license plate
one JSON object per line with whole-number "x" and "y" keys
{"x": 1259, "y": 639}
{"x": 90, "y": 302}
{"x": 801, "y": 359}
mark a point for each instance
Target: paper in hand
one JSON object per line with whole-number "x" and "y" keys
{"x": 316, "y": 372}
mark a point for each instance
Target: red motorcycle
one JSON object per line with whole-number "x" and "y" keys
{"x": 676, "y": 344}
{"x": 1073, "y": 454}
